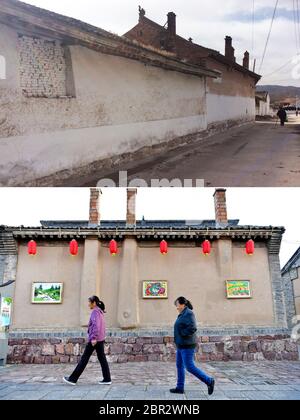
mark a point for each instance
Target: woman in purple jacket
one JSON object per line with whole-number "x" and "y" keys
{"x": 96, "y": 337}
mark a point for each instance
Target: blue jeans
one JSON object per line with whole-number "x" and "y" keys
{"x": 185, "y": 361}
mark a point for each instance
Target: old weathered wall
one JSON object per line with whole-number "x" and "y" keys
{"x": 120, "y": 105}
{"x": 230, "y": 99}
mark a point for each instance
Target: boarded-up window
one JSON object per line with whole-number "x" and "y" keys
{"x": 43, "y": 68}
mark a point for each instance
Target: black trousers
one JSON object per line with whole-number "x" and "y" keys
{"x": 282, "y": 122}
{"x": 89, "y": 350}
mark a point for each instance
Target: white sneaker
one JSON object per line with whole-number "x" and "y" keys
{"x": 104, "y": 383}
{"x": 66, "y": 380}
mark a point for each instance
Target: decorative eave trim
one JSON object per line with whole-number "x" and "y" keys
{"x": 272, "y": 236}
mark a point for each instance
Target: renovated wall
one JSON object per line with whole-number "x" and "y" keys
{"x": 51, "y": 264}
{"x": 118, "y": 280}
{"x": 118, "y": 106}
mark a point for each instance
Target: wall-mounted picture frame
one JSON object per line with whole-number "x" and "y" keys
{"x": 238, "y": 289}
{"x": 47, "y": 293}
{"x": 155, "y": 289}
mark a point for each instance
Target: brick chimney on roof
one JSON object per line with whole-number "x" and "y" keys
{"x": 221, "y": 207}
{"x": 171, "y": 32}
{"x": 246, "y": 60}
{"x": 94, "y": 215}
{"x": 172, "y": 23}
{"x": 131, "y": 205}
{"x": 229, "y": 50}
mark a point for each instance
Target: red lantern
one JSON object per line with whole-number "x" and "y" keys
{"x": 206, "y": 247}
{"x": 74, "y": 247}
{"x": 250, "y": 247}
{"x": 32, "y": 248}
{"x": 164, "y": 247}
{"x": 113, "y": 247}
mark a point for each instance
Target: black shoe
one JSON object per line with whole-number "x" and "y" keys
{"x": 105, "y": 382}
{"x": 67, "y": 381}
{"x": 176, "y": 391}
{"x": 211, "y": 387}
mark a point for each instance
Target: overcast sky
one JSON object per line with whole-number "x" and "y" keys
{"x": 207, "y": 22}
{"x": 253, "y": 206}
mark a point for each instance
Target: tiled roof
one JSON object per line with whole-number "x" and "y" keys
{"x": 197, "y": 50}
{"x": 293, "y": 262}
{"x": 141, "y": 224}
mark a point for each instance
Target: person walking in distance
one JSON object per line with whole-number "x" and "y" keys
{"x": 282, "y": 115}
{"x": 96, "y": 341}
{"x": 186, "y": 341}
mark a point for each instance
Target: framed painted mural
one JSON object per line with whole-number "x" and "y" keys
{"x": 155, "y": 290}
{"x": 50, "y": 293}
{"x": 238, "y": 289}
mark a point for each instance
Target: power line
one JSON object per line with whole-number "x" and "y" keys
{"x": 269, "y": 35}
{"x": 296, "y": 24}
{"x": 298, "y": 19}
{"x": 253, "y": 26}
{"x": 280, "y": 68}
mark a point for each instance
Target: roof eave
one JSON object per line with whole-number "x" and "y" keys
{"x": 21, "y": 15}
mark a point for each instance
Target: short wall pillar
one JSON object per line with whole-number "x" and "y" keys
{"x": 128, "y": 302}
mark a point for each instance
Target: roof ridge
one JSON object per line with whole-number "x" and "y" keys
{"x": 132, "y": 49}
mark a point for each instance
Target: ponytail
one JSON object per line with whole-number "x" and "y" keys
{"x": 99, "y": 303}
{"x": 183, "y": 301}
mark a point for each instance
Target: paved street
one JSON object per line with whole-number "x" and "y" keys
{"x": 151, "y": 381}
{"x": 261, "y": 155}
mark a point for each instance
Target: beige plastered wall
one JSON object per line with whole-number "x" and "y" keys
{"x": 187, "y": 270}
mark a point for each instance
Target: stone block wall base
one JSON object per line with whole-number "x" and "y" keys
{"x": 157, "y": 349}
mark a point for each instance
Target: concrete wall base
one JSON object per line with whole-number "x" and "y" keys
{"x": 134, "y": 348}
{"x": 109, "y": 166}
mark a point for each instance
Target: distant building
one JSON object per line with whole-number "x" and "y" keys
{"x": 231, "y": 97}
{"x": 263, "y": 104}
{"x": 291, "y": 277}
{"x": 238, "y": 298}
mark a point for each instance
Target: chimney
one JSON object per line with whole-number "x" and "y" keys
{"x": 220, "y": 207}
{"x": 229, "y": 50}
{"x": 131, "y": 199}
{"x": 94, "y": 217}
{"x": 172, "y": 24}
{"x": 246, "y": 60}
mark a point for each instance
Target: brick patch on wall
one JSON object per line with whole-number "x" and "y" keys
{"x": 143, "y": 349}
{"x": 42, "y": 67}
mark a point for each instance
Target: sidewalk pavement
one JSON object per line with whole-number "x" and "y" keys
{"x": 151, "y": 381}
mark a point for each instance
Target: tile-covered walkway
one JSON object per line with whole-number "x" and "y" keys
{"x": 151, "y": 381}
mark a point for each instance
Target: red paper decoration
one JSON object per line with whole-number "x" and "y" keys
{"x": 113, "y": 248}
{"x": 32, "y": 248}
{"x": 206, "y": 247}
{"x": 164, "y": 247}
{"x": 250, "y": 247}
{"x": 74, "y": 247}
